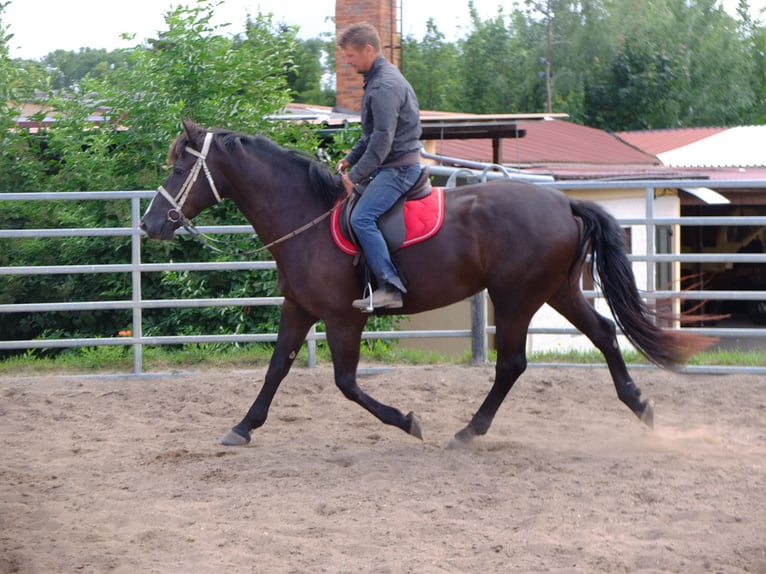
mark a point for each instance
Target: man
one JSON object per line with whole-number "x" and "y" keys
{"x": 388, "y": 150}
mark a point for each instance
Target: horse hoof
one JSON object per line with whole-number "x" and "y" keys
{"x": 647, "y": 417}
{"x": 462, "y": 439}
{"x": 415, "y": 429}
{"x": 456, "y": 443}
{"x": 233, "y": 438}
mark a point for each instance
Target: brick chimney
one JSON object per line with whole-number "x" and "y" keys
{"x": 385, "y": 16}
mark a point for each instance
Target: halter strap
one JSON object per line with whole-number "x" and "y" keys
{"x": 178, "y": 201}
{"x": 176, "y": 213}
{"x": 201, "y": 156}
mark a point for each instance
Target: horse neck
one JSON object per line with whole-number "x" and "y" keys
{"x": 272, "y": 201}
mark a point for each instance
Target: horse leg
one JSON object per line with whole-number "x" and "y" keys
{"x": 510, "y": 340}
{"x": 571, "y": 303}
{"x": 343, "y": 340}
{"x": 294, "y": 324}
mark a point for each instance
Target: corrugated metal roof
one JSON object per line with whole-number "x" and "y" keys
{"x": 552, "y": 142}
{"x": 660, "y": 141}
{"x": 735, "y": 147}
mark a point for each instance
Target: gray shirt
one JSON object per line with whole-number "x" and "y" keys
{"x": 390, "y": 122}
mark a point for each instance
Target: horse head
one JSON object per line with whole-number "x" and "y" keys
{"x": 183, "y": 195}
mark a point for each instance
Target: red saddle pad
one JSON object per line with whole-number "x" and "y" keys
{"x": 422, "y": 219}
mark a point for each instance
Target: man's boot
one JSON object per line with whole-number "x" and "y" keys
{"x": 385, "y": 297}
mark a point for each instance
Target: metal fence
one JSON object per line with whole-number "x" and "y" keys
{"x": 478, "y": 331}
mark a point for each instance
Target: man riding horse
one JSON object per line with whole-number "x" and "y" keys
{"x": 388, "y": 150}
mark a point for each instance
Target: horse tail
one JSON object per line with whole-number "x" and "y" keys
{"x": 668, "y": 349}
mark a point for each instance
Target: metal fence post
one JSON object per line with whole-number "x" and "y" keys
{"x": 650, "y": 240}
{"x": 135, "y": 249}
{"x": 311, "y": 342}
{"x": 479, "y": 340}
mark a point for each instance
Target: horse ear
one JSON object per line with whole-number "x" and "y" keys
{"x": 193, "y": 131}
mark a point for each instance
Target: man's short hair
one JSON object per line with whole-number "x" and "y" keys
{"x": 359, "y": 35}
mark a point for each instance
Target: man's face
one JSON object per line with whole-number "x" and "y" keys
{"x": 360, "y": 58}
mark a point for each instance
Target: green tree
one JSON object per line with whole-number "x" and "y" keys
{"x": 758, "y": 78}
{"x": 676, "y": 63}
{"x": 752, "y": 34}
{"x": 68, "y": 68}
{"x": 7, "y": 79}
{"x": 19, "y": 160}
{"x": 431, "y": 66}
{"x": 492, "y": 57}
{"x": 189, "y": 70}
{"x": 573, "y": 38}
{"x": 306, "y": 77}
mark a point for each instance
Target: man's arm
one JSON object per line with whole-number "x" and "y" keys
{"x": 384, "y": 104}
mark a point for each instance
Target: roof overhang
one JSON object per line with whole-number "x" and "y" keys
{"x": 474, "y": 126}
{"x": 709, "y": 196}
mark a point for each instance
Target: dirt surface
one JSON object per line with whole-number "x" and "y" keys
{"x": 126, "y": 475}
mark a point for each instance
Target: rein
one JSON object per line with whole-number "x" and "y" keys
{"x": 209, "y": 241}
{"x": 176, "y": 215}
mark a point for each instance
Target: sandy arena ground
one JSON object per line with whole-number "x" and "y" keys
{"x": 126, "y": 475}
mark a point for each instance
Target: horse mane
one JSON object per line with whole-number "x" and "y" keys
{"x": 321, "y": 181}
{"x": 177, "y": 147}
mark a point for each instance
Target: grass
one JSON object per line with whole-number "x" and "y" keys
{"x": 118, "y": 359}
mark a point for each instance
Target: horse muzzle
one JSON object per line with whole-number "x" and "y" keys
{"x": 162, "y": 229}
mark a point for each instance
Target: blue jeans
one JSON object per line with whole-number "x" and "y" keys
{"x": 386, "y": 188}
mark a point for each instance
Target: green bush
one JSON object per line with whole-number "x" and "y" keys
{"x": 190, "y": 70}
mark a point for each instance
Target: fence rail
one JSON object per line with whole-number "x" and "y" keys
{"x": 479, "y": 330}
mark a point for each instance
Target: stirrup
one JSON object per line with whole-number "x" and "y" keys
{"x": 381, "y": 298}
{"x": 367, "y": 294}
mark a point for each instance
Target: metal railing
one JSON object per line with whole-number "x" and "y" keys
{"x": 478, "y": 331}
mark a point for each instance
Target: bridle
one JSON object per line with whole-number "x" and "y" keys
{"x": 176, "y": 214}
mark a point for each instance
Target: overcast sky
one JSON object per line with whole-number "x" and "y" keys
{"x": 42, "y": 26}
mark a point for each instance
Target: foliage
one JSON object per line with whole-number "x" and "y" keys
{"x": 614, "y": 64}
{"x": 675, "y": 64}
{"x": 189, "y": 70}
{"x": 307, "y": 79}
{"x": 491, "y": 66}
{"x": 431, "y": 66}
{"x": 165, "y": 358}
{"x": 7, "y": 80}
{"x": 67, "y": 68}
{"x": 755, "y": 41}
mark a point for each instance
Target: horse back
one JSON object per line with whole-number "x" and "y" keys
{"x": 498, "y": 234}
{"x": 512, "y": 211}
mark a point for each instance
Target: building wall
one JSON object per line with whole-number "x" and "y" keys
{"x": 385, "y": 16}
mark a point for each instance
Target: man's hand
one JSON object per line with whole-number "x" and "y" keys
{"x": 348, "y": 184}
{"x": 342, "y": 168}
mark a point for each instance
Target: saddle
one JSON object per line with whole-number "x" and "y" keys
{"x": 415, "y": 217}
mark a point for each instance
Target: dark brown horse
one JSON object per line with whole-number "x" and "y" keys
{"x": 524, "y": 244}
